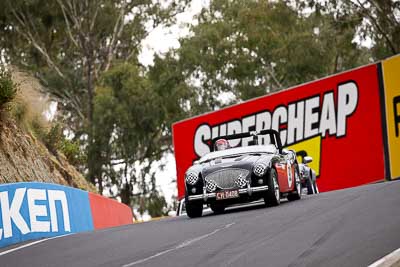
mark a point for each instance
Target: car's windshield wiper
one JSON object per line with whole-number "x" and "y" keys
{"x": 241, "y": 155}
{"x": 231, "y": 156}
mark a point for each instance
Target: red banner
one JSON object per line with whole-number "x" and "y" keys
{"x": 336, "y": 120}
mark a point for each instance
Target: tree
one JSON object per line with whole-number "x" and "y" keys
{"x": 70, "y": 43}
{"x": 379, "y": 21}
{"x": 156, "y": 205}
{"x": 8, "y": 88}
{"x": 336, "y": 31}
{"x": 251, "y": 48}
{"x": 132, "y": 126}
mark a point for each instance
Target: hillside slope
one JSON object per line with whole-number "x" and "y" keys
{"x": 23, "y": 158}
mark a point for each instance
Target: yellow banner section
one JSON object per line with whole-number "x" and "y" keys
{"x": 391, "y": 78}
{"x": 312, "y": 148}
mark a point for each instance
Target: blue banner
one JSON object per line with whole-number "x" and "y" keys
{"x": 39, "y": 210}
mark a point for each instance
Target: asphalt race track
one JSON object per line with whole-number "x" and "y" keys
{"x": 352, "y": 227}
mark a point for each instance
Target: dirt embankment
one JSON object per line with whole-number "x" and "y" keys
{"x": 24, "y": 158}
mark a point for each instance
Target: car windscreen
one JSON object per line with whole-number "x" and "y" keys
{"x": 237, "y": 151}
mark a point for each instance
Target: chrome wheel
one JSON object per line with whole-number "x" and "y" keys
{"x": 298, "y": 184}
{"x": 276, "y": 188}
{"x": 272, "y": 195}
{"x": 316, "y": 190}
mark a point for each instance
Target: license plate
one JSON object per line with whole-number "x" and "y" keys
{"x": 227, "y": 194}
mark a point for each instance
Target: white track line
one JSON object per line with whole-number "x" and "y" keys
{"x": 180, "y": 246}
{"x": 30, "y": 244}
{"x": 389, "y": 260}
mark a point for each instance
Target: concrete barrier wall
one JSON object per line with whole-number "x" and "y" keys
{"x": 108, "y": 213}
{"x": 41, "y": 210}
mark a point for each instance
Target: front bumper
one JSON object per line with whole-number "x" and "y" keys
{"x": 249, "y": 191}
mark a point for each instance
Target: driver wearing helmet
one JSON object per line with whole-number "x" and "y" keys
{"x": 221, "y": 144}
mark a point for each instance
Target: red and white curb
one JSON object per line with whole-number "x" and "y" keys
{"x": 390, "y": 260}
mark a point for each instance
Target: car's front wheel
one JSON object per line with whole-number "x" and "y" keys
{"x": 194, "y": 209}
{"x": 272, "y": 196}
{"x": 310, "y": 186}
{"x": 217, "y": 208}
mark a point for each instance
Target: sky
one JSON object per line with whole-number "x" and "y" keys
{"x": 161, "y": 39}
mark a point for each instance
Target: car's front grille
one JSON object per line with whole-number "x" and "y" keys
{"x": 228, "y": 178}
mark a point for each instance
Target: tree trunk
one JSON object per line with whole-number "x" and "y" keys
{"x": 126, "y": 191}
{"x": 94, "y": 166}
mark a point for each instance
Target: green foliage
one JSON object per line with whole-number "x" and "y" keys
{"x": 37, "y": 127}
{"x": 68, "y": 44}
{"x": 53, "y": 138}
{"x": 71, "y": 149}
{"x": 131, "y": 122}
{"x": 250, "y": 48}
{"x": 19, "y": 112}
{"x": 55, "y": 141}
{"x": 376, "y": 22}
{"x": 8, "y": 89}
{"x": 133, "y": 112}
{"x": 156, "y": 205}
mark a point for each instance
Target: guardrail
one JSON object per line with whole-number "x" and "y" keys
{"x": 39, "y": 210}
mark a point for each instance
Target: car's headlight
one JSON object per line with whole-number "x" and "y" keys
{"x": 211, "y": 186}
{"x": 260, "y": 169}
{"x": 192, "y": 178}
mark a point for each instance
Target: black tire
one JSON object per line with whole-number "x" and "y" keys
{"x": 310, "y": 187}
{"x": 194, "y": 209}
{"x": 296, "y": 194}
{"x": 272, "y": 195}
{"x": 310, "y": 184}
{"x": 217, "y": 208}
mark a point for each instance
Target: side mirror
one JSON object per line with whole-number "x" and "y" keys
{"x": 307, "y": 159}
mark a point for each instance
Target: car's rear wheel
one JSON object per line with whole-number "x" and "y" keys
{"x": 217, "y": 208}
{"x": 296, "y": 194}
{"x": 310, "y": 185}
{"x": 272, "y": 195}
{"x": 194, "y": 209}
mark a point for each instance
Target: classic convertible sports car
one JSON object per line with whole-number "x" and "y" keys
{"x": 308, "y": 177}
{"x": 242, "y": 174}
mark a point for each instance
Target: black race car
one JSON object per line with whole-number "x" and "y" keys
{"x": 242, "y": 174}
{"x": 308, "y": 177}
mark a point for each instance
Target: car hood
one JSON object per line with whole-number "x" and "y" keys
{"x": 242, "y": 162}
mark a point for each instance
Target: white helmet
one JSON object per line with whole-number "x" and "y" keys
{"x": 221, "y": 144}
